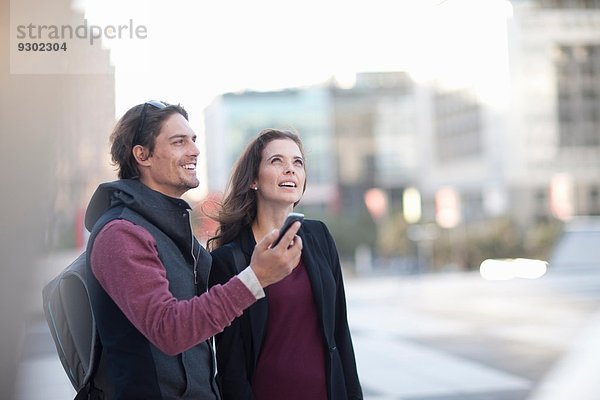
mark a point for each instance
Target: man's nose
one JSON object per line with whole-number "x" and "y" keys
{"x": 194, "y": 150}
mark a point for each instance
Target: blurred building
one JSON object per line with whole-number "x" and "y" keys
{"x": 554, "y": 168}
{"x": 376, "y": 135}
{"x": 385, "y": 132}
{"x": 531, "y": 152}
{"x": 457, "y": 152}
{"x": 234, "y": 119}
{"x": 66, "y": 100}
{"x": 54, "y": 139}
{"x": 523, "y": 142}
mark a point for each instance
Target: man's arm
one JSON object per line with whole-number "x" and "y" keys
{"x": 125, "y": 261}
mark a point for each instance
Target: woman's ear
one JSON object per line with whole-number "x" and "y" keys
{"x": 141, "y": 155}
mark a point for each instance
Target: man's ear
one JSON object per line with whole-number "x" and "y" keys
{"x": 141, "y": 154}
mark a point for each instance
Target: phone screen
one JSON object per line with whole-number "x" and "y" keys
{"x": 289, "y": 220}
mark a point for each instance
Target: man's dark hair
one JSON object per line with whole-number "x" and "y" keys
{"x": 124, "y": 134}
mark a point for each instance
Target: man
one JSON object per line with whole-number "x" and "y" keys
{"x": 148, "y": 275}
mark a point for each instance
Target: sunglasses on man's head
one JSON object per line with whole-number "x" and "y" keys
{"x": 155, "y": 103}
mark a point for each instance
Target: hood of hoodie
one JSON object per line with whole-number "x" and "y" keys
{"x": 169, "y": 214}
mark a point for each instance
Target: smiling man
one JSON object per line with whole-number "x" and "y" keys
{"x": 148, "y": 274}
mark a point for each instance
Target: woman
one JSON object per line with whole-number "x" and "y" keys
{"x": 295, "y": 342}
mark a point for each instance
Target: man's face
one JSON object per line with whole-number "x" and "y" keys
{"x": 171, "y": 169}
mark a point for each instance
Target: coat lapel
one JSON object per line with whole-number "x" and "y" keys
{"x": 312, "y": 261}
{"x": 258, "y": 312}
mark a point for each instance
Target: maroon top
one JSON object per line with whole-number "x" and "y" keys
{"x": 291, "y": 364}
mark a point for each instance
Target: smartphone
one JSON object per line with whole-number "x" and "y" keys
{"x": 289, "y": 220}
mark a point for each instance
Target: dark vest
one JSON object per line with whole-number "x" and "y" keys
{"x": 136, "y": 368}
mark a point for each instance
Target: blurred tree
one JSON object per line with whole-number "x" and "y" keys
{"x": 540, "y": 239}
{"x": 499, "y": 238}
{"x": 351, "y": 232}
{"x": 393, "y": 240}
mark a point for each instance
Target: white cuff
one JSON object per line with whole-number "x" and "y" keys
{"x": 249, "y": 279}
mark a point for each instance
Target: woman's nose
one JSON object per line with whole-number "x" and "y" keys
{"x": 289, "y": 170}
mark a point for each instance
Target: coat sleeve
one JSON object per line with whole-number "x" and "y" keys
{"x": 342, "y": 330}
{"x": 233, "y": 356}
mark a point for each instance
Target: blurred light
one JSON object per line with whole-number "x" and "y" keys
{"x": 561, "y": 196}
{"x": 376, "y": 202}
{"x": 507, "y": 269}
{"x": 411, "y": 205}
{"x": 447, "y": 207}
{"x": 495, "y": 201}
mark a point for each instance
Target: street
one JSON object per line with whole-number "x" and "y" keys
{"x": 451, "y": 337}
{"x": 430, "y": 337}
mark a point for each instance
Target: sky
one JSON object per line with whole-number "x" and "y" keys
{"x": 193, "y": 51}
{"x": 196, "y": 50}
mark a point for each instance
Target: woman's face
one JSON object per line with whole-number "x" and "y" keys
{"x": 281, "y": 174}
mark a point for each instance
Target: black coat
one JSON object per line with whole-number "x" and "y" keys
{"x": 238, "y": 347}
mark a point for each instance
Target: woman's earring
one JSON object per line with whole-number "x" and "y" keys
{"x": 255, "y": 188}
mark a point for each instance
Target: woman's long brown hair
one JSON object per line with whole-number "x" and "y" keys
{"x": 238, "y": 208}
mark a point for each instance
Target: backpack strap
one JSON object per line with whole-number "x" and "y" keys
{"x": 89, "y": 391}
